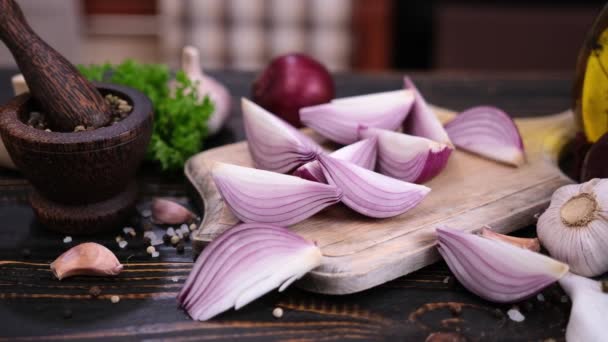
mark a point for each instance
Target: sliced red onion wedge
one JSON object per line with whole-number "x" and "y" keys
{"x": 422, "y": 121}
{"x": 273, "y": 143}
{"x": 262, "y": 196}
{"x": 496, "y": 270}
{"x": 242, "y": 264}
{"x": 339, "y": 120}
{"x": 406, "y": 157}
{"x": 488, "y": 132}
{"x": 370, "y": 193}
{"x": 362, "y": 153}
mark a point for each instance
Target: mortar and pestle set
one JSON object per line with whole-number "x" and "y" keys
{"x": 83, "y": 181}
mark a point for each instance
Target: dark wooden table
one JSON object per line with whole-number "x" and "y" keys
{"x": 428, "y": 304}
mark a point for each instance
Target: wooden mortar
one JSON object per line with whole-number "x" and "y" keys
{"x": 83, "y": 181}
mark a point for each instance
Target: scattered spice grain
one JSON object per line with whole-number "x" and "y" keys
{"x": 95, "y": 291}
{"x": 277, "y": 312}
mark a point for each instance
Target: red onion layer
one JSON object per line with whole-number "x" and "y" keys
{"x": 339, "y": 120}
{"x": 496, "y": 270}
{"x": 488, "y": 132}
{"x": 362, "y": 153}
{"x": 370, "y": 193}
{"x": 262, "y": 196}
{"x": 273, "y": 143}
{"x": 422, "y": 121}
{"x": 406, "y": 157}
{"x": 242, "y": 264}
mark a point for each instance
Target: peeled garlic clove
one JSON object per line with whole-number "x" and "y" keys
{"x": 488, "y": 132}
{"x": 242, "y": 264}
{"x": 362, "y": 153}
{"x": 88, "y": 258}
{"x": 207, "y": 86}
{"x": 528, "y": 243}
{"x": 407, "y": 157}
{"x": 370, "y": 193}
{"x": 589, "y": 313}
{"x": 574, "y": 229}
{"x": 422, "y": 121}
{"x": 165, "y": 211}
{"x": 273, "y": 143}
{"x": 262, "y": 196}
{"x": 496, "y": 270}
{"x": 339, "y": 120}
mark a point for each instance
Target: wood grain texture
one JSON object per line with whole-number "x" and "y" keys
{"x": 63, "y": 94}
{"x": 424, "y": 304}
{"x": 361, "y": 252}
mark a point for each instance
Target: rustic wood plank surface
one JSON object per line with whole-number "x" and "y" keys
{"x": 427, "y": 304}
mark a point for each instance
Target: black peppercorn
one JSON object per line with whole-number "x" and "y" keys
{"x": 95, "y": 291}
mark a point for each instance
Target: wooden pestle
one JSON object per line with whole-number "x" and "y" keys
{"x": 63, "y": 94}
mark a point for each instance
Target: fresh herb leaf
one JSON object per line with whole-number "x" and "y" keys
{"x": 180, "y": 117}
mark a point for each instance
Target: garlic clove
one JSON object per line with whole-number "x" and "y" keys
{"x": 165, "y": 211}
{"x": 574, "y": 229}
{"x": 407, "y": 157}
{"x": 370, "y": 193}
{"x": 362, "y": 153}
{"x": 589, "y": 312}
{"x": 528, "y": 243}
{"x": 496, "y": 270}
{"x": 88, "y": 258}
{"x": 273, "y": 143}
{"x": 422, "y": 121}
{"x": 207, "y": 86}
{"x": 262, "y": 196}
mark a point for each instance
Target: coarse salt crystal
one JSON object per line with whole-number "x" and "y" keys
{"x": 174, "y": 279}
{"x": 67, "y": 239}
{"x": 156, "y": 242}
{"x": 446, "y": 280}
{"x": 146, "y": 213}
{"x": 122, "y": 244}
{"x": 183, "y": 227}
{"x": 155, "y": 254}
{"x": 170, "y": 231}
{"x": 150, "y": 235}
{"x": 540, "y": 297}
{"x": 515, "y": 315}
{"x": 129, "y": 231}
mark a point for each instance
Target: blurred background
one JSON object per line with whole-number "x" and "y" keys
{"x": 362, "y": 35}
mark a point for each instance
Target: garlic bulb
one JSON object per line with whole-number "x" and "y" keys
{"x": 207, "y": 86}
{"x": 574, "y": 229}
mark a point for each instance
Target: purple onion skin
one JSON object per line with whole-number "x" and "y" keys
{"x": 291, "y": 82}
{"x": 305, "y": 173}
{"x": 435, "y": 166}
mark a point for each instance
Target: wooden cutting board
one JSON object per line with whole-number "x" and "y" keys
{"x": 361, "y": 252}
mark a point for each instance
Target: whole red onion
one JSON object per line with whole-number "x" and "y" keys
{"x": 291, "y": 82}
